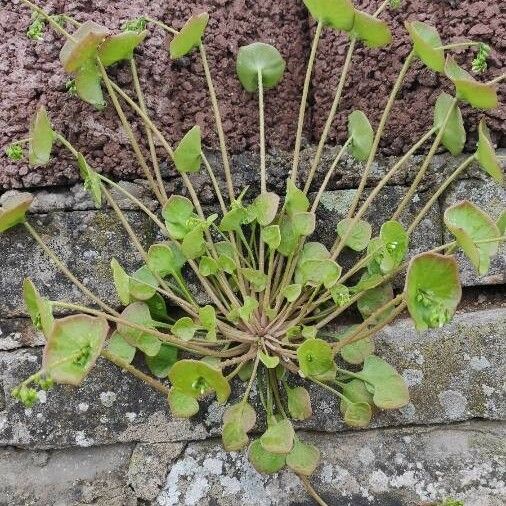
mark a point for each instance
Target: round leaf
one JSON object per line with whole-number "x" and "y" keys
{"x": 357, "y": 352}
{"x": 189, "y": 37}
{"x": 470, "y": 224}
{"x": 299, "y": 403}
{"x": 185, "y": 328}
{"x": 338, "y": 14}
{"x": 357, "y": 414}
{"x": 396, "y": 242}
{"x": 426, "y": 42}
{"x": 234, "y": 436}
{"x": 292, "y": 292}
{"x": 264, "y": 461}
{"x": 265, "y": 207}
{"x": 187, "y": 155}
{"x": 181, "y": 404}
{"x": 359, "y": 237}
{"x": 432, "y": 289}
{"x": 243, "y": 413}
{"x": 278, "y": 438}
{"x": 176, "y": 212}
{"x": 355, "y": 391}
{"x": 304, "y": 458}
{"x": 143, "y": 284}
{"x": 117, "y": 346}
{"x": 73, "y": 346}
{"x": 120, "y": 46}
{"x": 269, "y": 361}
{"x": 41, "y": 139}
{"x": 374, "y": 299}
{"x": 259, "y": 58}
{"x": 256, "y": 278}
{"x": 304, "y": 223}
{"x": 372, "y": 31}
{"x": 193, "y": 245}
{"x": 486, "y": 155}
{"x": 165, "y": 259}
{"x": 296, "y": 200}
{"x": 316, "y": 359}
{"x": 160, "y": 364}
{"x": 271, "y": 235}
{"x": 454, "y": 136}
{"x": 13, "y": 210}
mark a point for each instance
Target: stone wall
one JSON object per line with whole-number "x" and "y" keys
{"x": 113, "y": 441}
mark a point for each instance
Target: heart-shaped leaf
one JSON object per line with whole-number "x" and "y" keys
{"x": 242, "y": 412}
{"x": 121, "y": 282}
{"x": 292, "y": 292}
{"x": 138, "y": 313}
{"x": 120, "y": 46}
{"x": 304, "y": 458}
{"x": 299, "y": 403}
{"x": 426, "y": 44}
{"x": 478, "y": 95}
{"x": 207, "y": 317}
{"x": 259, "y": 58}
{"x": 187, "y": 155}
{"x": 91, "y": 180}
{"x": 271, "y": 235}
{"x": 361, "y": 134}
{"x": 278, "y": 438}
{"x": 234, "y": 219}
{"x": 469, "y": 224}
{"x": 208, "y": 266}
{"x": 316, "y": 359}
{"x": 454, "y": 136}
{"x": 165, "y": 259}
{"x": 338, "y": 14}
{"x": 83, "y": 45}
{"x": 88, "y": 84}
{"x": 161, "y": 363}
{"x": 265, "y": 207}
{"x": 432, "y": 290}
{"x": 189, "y": 37}
{"x": 372, "y": 31}
{"x": 263, "y": 461}
{"x": 360, "y": 235}
{"x": 486, "y": 155}
{"x": 185, "y": 328}
{"x": 41, "y": 138}
{"x": 143, "y": 284}
{"x": 176, "y": 212}
{"x": 256, "y": 278}
{"x": 269, "y": 361}
{"x": 304, "y": 223}
{"x": 73, "y": 346}
{"x": 181, "y": 404}
{"x": 118, "y": 347}
{"x": 14, "y": 209}
{"x": 196, "y": 378}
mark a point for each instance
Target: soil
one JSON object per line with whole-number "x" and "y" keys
{"x": 30, "y": 74}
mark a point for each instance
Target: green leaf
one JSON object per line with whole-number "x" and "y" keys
{"x": 454, "y": 136}
{"x": 299, "y": 403}
{"x": 207, "y": 317}
{"x": 432, "y": 290}
{"x": 271, "y": 235}
{"x": 234, "y": 436}
{"x": 501, "y": 223}
{"x": 289, "y": 238}
{"x": 478, "y": 95}
{"x": 41, "y": 138}
{"x": 374, "y": 299}
{"x": 226, "y": 264}
{"x": 185, "y": 328}
{"x": 120, "y": 46}
{"x": 486, "y": 155}
{"x": 83, "y": 46}
{"x": 263, "y": 461}
{"x": 121, "y": 282}
{"x": 396, "y": 242}
{"x": 278, "y": 438}
{"x": 161, "y": 363}
{"x": 257, "y": 279}
{"x": 187, "y": 155}
{"x": 316, "y": 359}
{"x": 13, "y": 210}
{"x": 88, "y": 84}
{"x": 269, "y": 361}
{"x": 357, "y": 414}
{"x": 242, "y": 412}
{"x": 259, "y": 58}
{"x": 31, "y": 298}
{"x": 73, "y": 346}
{"x": 361, "y": 134}
{"x": 233, "y": 219}
{"x": 193, "y": 245}
{"x": 292, "y": 292}
{"x": 304, "y": 223}
{"x": 196, "y": 378}
{"x": 91, "y": 180}
{"x": 309, "y": 331}
{"x": 355, "y": 353}
{"x": 296, "y": 200}
{"x": 189, "y": 37}
{"x": 390, "y": 390}
{"x": 182, "y": 405}
{"x": 338, "y": 14}
{"x": 46, "y": 316}
{"x": 340, "y": 294}
{"x": 176, "y": 212}
{"x": 165, "y": 259}
{"x": 426, "y": 42}
{"x": 265, "y": 207}
{"x": 208, "y": 266}
{"x": 355, "y": 391}
{"x": 143, "y": 284}
{"x": 138, "y": 313}
{"x": 372, "y": 31}
{"x": 469, "y": 224}
{"x": 304, "y": 458}
{"x": 244, "y": 312}
{"x": 120, "y": 348}
{"x": 367, "y": 281}
{"x": 157, "y": 307}
{"x": 319, "y": 272}
{"x": 360, "y": 235}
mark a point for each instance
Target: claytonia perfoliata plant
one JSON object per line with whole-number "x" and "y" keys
{"x": 273, "y": 290}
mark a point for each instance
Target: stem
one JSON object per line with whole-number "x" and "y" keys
{"x": 162, "y": 25}
{"x": 214, "y": 181}
{"x": 332, "y": 114}
{"x": 252, "y": 378}
{"x": 458, "y": 45}
{"x": 123, "y": 364}
{"x": 303, "y": 102}
{"x": 263, "y": 176}
{"x": 149, "y": 135}
{"x": 219, "y": 124}
{"x": 63, "y": 268}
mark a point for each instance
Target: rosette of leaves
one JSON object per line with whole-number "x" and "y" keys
{"x": 267, "y": 310}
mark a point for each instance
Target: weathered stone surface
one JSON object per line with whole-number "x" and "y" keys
{"x": 492, "y": 199}
{"x": 75, "y": 476}
{"x": 454, "y": 374}
{"x": 378, "y": 468}
{"x": 85, "y": 240}
{"x": 18, "y": 333}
